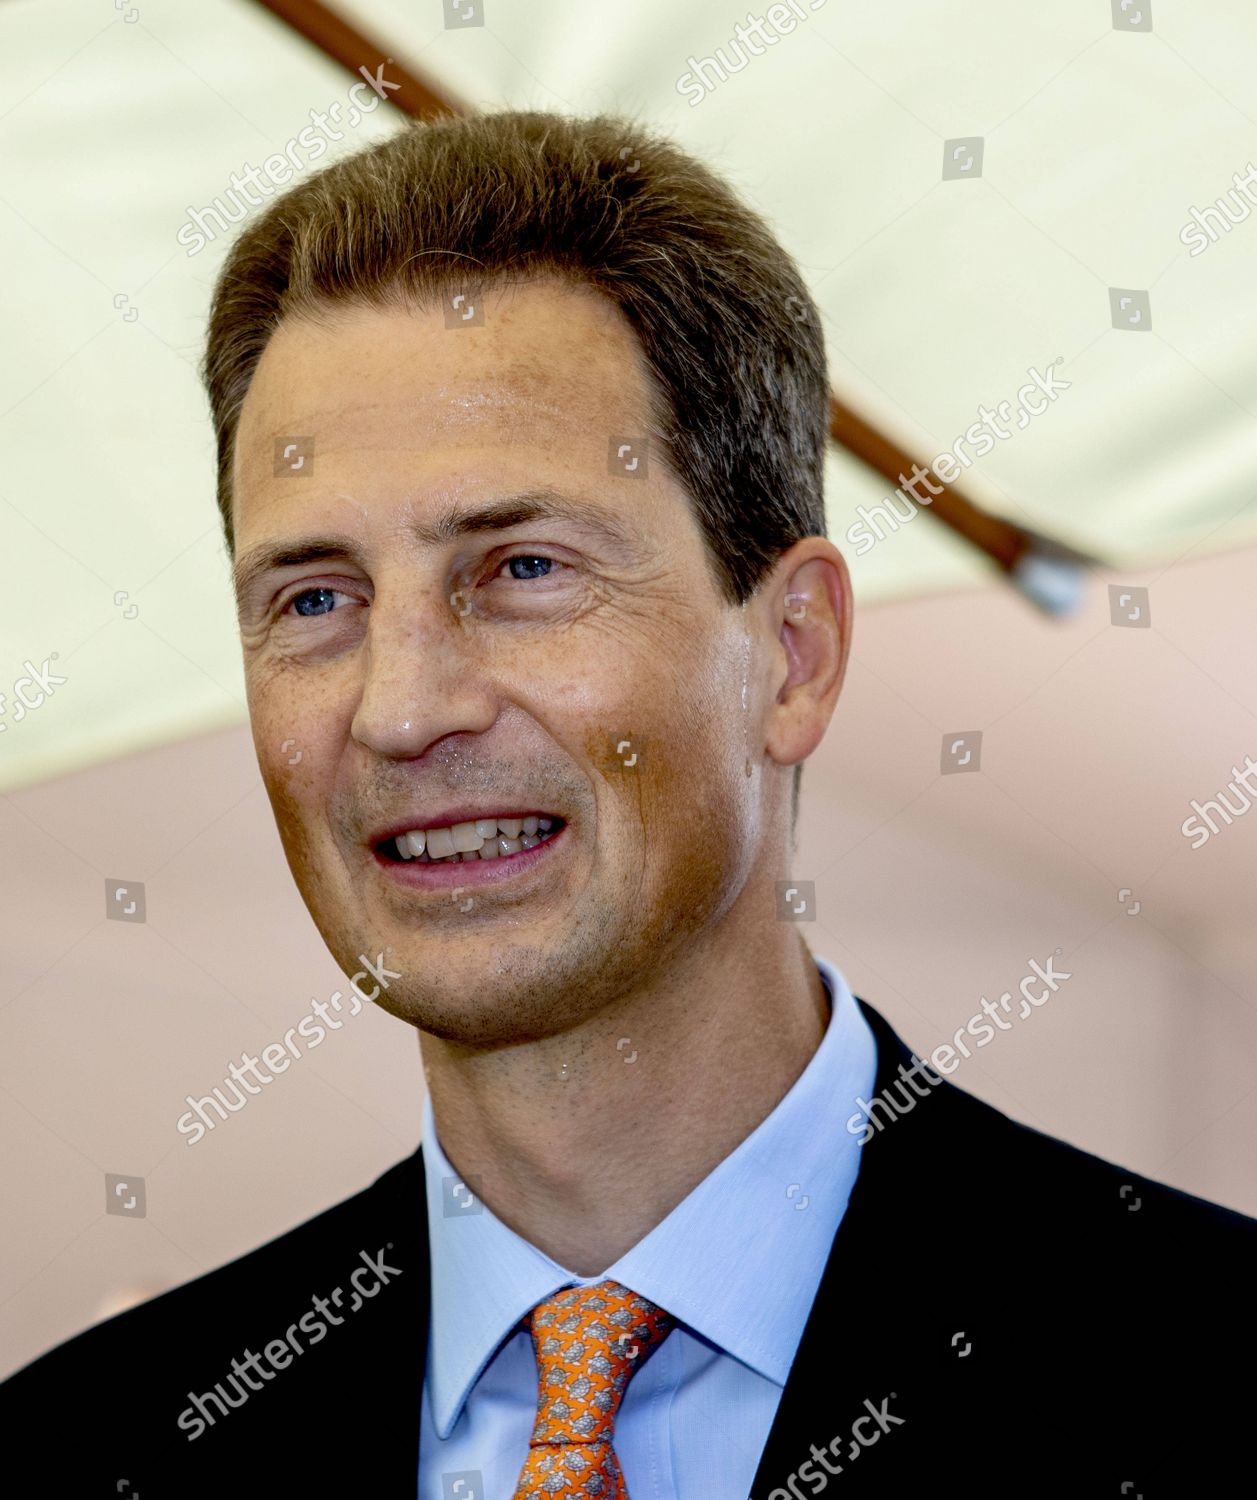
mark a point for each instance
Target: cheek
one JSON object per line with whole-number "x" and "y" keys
{"x": 634, "y": 765}
{"x": 300, "y": 798}
{"x": 288, "y": 767}
{"x": 624, "y": 713}
{"x": 294, "y": 712}
{"x": 668, "y": 748}
{"x": 294, "y": 741}
{"x": 670, "y": 825}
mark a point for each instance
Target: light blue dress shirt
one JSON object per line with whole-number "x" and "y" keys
{"x": 737, "y": 1263}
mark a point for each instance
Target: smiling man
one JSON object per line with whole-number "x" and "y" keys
{"x": 521, "y": 426}
{"x": 543, "y": 753}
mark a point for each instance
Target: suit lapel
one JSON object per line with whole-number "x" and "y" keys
{"x": 879, "y": 1338}
{"x": 393, "y": 1352}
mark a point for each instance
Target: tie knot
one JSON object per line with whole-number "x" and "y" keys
{"x": 589, "y": 1341}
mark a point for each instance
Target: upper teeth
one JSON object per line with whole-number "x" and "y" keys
{"x": 467, "y": 838}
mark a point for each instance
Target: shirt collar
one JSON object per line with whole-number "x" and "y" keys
{"x": 738, "y": 1261}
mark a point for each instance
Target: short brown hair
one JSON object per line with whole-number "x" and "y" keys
{"x": 725, "y": 322}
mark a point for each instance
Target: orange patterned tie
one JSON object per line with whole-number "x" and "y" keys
{"x": 589, "y": 1340}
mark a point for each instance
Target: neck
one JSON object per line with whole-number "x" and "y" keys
{"x": 583, "y": 1142}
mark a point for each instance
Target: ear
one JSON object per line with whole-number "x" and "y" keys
{"x": 811, "y": 595}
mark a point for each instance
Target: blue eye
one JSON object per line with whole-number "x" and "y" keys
{"x": 320, "y": 595}
{"x": 528, "y": 557}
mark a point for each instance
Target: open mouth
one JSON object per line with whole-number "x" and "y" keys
{"x": 483, "y": 839}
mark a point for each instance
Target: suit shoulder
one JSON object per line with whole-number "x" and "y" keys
{"x": 1064, "y": 1190}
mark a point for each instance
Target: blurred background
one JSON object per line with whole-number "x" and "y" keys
{"x": 1050, "y": 665}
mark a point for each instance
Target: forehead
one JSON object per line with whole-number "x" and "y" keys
{"x": 551, "y": 362}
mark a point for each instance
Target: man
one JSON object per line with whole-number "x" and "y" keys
{"x": 521, "y": 431}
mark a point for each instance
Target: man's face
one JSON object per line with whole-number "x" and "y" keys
{"x": 598, "y": 679}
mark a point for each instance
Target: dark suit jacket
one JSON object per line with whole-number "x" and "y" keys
{"x": 1001, "y": 1315}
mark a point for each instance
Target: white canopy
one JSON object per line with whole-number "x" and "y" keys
{"x": 948, "y": 269}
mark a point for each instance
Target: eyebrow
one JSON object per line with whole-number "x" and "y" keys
{"x": 448, "y": 526}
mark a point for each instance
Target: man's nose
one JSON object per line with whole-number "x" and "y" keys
{"x": 424, "y": 676}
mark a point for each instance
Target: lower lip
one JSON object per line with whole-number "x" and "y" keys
{"x": 468, "y": 873}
